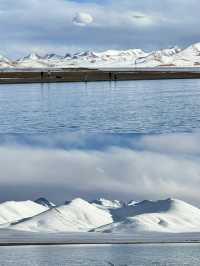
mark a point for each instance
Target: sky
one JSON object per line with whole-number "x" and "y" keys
{"x": 123, "y": 167}
{"x": 158, "y": 166}
{"x": 64, "y": 26}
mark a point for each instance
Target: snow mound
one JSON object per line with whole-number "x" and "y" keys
{"x": 11, "y": 211}
{"x": 77, "y": 216}
{"x": 169, "y": 215}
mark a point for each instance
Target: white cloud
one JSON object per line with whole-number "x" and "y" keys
{"x": 176, "y": 143}
{"x": 158, "y": 170}
{"x": 82, "y": 19}
{"x": 51, "y": 25}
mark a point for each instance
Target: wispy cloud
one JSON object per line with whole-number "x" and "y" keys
{"x": 82, "y": 19}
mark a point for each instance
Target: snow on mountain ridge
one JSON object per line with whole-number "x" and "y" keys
{"x": 77, "y": 216}
{"x": 174, "y": 57}
{"x": 107, "y": 204}
{"x": 12, "y": 211}
{"x": 188, "y": 56}
{"x": 32, "y": 56}
{"x": 4, "y": 59}
{"x": 53, "y": 57}
{"x": 5, "y": 62}
{"x": 158, "y": 58}
{"x": 44, "y": 202}
{"x": 169, "y": 215}
{"x": 132, "y": 202}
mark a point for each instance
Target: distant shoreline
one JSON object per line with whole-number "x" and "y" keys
{"x": 92, "y": 75}
{"x": 22, "y": 238}
{"x": 94, "y": 243}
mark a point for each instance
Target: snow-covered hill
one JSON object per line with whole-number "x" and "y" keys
{"x": 5, "y": 62}
{"x": 32, "y": 60}
{"x": 188, "y": 57}
{"x": 169, "y": 215}
{"x": 77, "y": 216}
{"x": 102, "y": 215}
{"x": 164, "y": 57}
{"x": 170, "y": 57}
{"x": 13, "y": 211}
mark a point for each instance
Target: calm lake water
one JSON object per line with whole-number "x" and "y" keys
{"x": 121, "y": 107}
{"x": 141, "y": 107}
{"x": 118, "y": 255}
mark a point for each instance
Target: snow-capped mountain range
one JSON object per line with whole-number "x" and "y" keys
{"x": 101, "y": 215}
{"x": 170, "y": 57}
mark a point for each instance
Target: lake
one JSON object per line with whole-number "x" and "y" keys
{"x": 32, "y": 111}
{"x": 105, "y": 255}
{"x": 147, "y": 107}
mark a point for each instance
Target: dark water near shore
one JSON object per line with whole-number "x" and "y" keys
{"x": 122, "y": 107}
{"x": 118, "y": 255}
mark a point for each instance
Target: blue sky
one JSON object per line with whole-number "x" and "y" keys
{"x": 68, "y": 26}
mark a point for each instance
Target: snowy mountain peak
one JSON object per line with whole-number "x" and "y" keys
{"x": 79, "y": 202}
{"x": 67, "y": 56}
{"x": 77, "y": 216}
{"x": 11, "y": 211}
{"x": 132, "y": 202}
{"x": 45, "y": 202}
{"x": 53, "y": 57}
{"x": 4, "y": 59}
{"x": 169, "y": 57}
{"x": 102, "y": 215}
{"x": 85, "y": 55}
{"x": 107, "y": 204}
{"x": 158, "y": 58}
{"x": 32, "y": 56}
{"x": 170, "y": 215}
{"x": 196, "y": 46}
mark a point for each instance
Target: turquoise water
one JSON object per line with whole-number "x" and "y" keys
{"x": 121, "y": 107}
{"x": 118, "y": 255}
